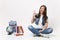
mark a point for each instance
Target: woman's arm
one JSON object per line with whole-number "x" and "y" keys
{"x": 46, "y": 25}
{"x": 33, "y": 19}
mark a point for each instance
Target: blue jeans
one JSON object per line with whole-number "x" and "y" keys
{"x": 36, "y": 30}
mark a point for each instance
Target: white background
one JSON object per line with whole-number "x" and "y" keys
{"x": 22, "y": 10}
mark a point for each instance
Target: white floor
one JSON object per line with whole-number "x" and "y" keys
{"x": 27, "y": 35}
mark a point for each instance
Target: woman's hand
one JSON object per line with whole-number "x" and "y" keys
{"x": 34, "y": 13}
{"x": 42, "y": 30}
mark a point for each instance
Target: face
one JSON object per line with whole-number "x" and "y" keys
{"x": 42, "y": 9}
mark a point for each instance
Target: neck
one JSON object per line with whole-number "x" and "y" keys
{"x": 41, "y": 14}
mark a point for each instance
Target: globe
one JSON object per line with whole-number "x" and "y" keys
{"x": 9, "y": 29}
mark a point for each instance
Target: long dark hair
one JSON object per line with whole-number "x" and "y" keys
{"x": 44, "y": 13}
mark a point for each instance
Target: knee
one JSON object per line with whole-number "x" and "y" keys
{"x": 30, "y": 27}
{"x": 50, "y": 30}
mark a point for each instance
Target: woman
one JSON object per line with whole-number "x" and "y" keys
{"x": 40, "y": 19}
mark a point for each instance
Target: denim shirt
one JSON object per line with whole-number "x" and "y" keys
{"x": 38, "y": 19}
